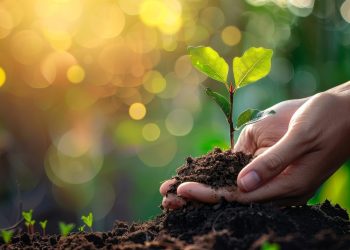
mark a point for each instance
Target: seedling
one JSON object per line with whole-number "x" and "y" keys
{"x": 43, "y": 226}
{"x": 65, "y": 229}
{"x": 28, "y": 220}
{"x": 251, "y": 67}
{"x": 6, "y": 235}
{"x": 88, "y": 220}
{"x": 270, "y": 246}
{"x": 81, "y": 228}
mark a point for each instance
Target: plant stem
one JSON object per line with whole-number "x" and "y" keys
{"x": 230, "y": 119}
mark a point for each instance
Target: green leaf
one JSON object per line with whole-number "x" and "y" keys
{"x": 27, "y": 216}
{"x": 252, "y": 66}
{"x": 65, "y": 229}
{"x": 81, "y": 228}
{"x": 270, "y": 246}
{"x": 208, "y": 61}
{"x": 250, "y": 116}
{"x": 220, "y": 100}
{"x": 43, "y": 224}
{"x": 88, "y": 219}
{"x": 6, "y": 235}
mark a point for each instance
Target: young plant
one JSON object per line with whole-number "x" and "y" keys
{"x": 6, "y": 235}
{"x": 270, "y": 246}
{"x": 28, "y": 220}
{"x": 43, "y": 226}
{"x": 65, "y": 229}
{"x": 81, "y": 228}
{"x": 251, "y": 67}
{"x": 88, "y": 220}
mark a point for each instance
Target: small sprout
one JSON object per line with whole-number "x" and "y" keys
{"x": 251, "y": 67}
{"x": 43, "y": 226}
{"x": 6, "y": 235}
{"x": 88, "y": 220}
{"x": 81, "y": 228}
{"x": 270, "y": 246}
{"x": 29, "y": 222}
{"x": 65, "y": 229}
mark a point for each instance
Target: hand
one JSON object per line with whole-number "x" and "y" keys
{"x": 289, "y": 171}
{"x": 254, "y": 139}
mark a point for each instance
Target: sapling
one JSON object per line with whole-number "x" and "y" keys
{"x": 251, "y": 67}
{"x": 88, "y": 220}
{"x": 81, "y": 228}
{"x": 43, "y": 226}
{"x": 6, "y": 235}
{"x": 65, "y": 229}
{"x": 270, "y": 246}
{"x": 28, "y": 220}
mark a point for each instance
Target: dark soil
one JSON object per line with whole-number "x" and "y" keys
{"x": 227, "y": 225}
{"x": 217, "y": 169}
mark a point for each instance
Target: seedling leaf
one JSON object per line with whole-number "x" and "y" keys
{"x": 220, "y": 100}
{"x": 6, "y": 235}
{"x": 81, "y": 228}
{"x": 27, "y": 216}
{"x": 270, "y": 246}
{"x": 252, "y": 66}
{"x": 88, "y": 220}
{"x": 250, "y": 116}
{"x": 65, "y": 229}
{"x": 43, "y": 224}
{"x": 208, "y": 61}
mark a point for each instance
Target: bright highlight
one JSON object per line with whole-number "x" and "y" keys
{"x": 75, "y": 74}
{"x": 137, "y": 111}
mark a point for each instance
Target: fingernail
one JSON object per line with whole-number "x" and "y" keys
{"x": 250, "y": 181}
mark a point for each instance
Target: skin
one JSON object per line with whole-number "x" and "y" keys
{"x": 295, "y": 151}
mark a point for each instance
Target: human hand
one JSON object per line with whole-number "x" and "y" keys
{"x": 289, "y": 168}
{"x": 254, "y": 139}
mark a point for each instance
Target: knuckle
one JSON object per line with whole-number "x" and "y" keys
{"x": 273, "y": 162}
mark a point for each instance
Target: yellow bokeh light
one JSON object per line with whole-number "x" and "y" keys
{"x": 75, "y": 74}
{"x": 152, "y": 12}
{"x": 2, "y": 77}
{"x": 154, "y": 82}
{"x": 6, "y": 23}
{"x": 137, "y": 111}
{"x": 151, "y": 132}
{"x": 231, "y": 35}
{"x": 27, "y": 46}
{"x": 166, "y": 15}
{"x": 130, "y": 7}
{"x": 107, "y": 20}
{"x": 141, "y": 39}
{"x": 59, "y": 40}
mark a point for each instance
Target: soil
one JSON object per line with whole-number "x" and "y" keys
{"x": 217, "y": 169}
{"x": 226, "y": 225}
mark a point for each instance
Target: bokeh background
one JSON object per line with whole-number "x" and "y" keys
{"x": 99, "y": 102}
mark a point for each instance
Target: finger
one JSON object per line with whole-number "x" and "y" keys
{"x": 163, "y": 189}
{"x": 203, "y": 193}
{"x": 259, "y": 151}
{"x": 270, "y": 163}
{"x": 172, "y": 201}
{"x": 246, "y": 141}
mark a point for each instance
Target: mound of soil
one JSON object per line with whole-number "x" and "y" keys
{"x": 226, "y": 225}
{"x": 217, "y": 169}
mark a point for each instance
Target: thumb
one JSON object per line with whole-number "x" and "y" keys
{"x": 270, "y": 163}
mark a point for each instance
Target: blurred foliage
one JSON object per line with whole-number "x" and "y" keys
{"x": 99, "y": 101}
